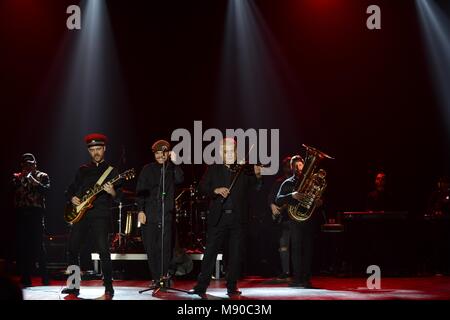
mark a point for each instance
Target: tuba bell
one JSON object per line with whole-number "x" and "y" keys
{"x": 311, "y": 185}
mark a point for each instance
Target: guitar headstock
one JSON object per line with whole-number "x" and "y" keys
{"x": 129, "y": 174}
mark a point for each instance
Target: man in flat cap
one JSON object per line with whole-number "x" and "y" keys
{"x": 98, "y": 218}
{"x": 30, "y": 188}
{"x": 150, "y": 190}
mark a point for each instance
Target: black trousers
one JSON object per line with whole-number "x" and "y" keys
{"x": 151, "y": 237}
{"x": 284, "y": 247}
{"x": 99, "y": 228}
{"x": 30, "y": 245}
{"x": 232, "y": 231}
{"x": 302, "y": 241}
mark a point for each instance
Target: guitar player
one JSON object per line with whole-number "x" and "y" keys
{"x": 97, "y": 219}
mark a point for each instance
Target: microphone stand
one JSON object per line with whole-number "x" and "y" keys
{"x": 163, "y": 283}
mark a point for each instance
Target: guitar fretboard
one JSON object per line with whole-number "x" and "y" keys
{"x": 99, "y": 188}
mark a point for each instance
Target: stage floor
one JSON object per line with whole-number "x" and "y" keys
{"x": 254, "y": 288}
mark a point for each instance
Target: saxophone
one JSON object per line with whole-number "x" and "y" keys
{"x": 311, "y": 185}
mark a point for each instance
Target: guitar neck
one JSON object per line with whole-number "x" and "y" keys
{"x": 99, "y": 188}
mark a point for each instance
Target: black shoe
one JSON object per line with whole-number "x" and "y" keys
{"x": 199, "y": 292}
{"x": 295, "y": 284}
{"x": 301, "y": 284}
{"x": 109, "y": 293}
{"x": 71, "y": 291}
{"x": 283, "y": 276}
{"x": 233, "y": 292}
{"x": 26, "y": 282}
{"x": 109, "y": 290}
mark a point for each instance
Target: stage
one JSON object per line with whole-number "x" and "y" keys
{"x": 253, "y": 288}
{"x": 246, "y": 138}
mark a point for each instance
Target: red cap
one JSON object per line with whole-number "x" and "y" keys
{"x": 160, "y": 145}
{"x": 95, "y": 139}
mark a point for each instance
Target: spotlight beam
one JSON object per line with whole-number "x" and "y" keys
{"x": 436, "y": 33}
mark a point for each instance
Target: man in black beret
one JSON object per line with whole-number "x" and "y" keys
{"x": 150, "y": 190}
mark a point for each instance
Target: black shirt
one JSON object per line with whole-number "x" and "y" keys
{"x": 284, "y": 195}
{"x": 85, "y": 178}
{"x": 379, "y": 201}
{"x": 272, "y": 197}
{"x": 149, "y": 190}
{"x": 228, "y": 176}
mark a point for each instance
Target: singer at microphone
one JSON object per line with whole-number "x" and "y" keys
{"x": 150, "y": 194}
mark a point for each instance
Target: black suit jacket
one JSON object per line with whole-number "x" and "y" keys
{"x": 215, "y": 177}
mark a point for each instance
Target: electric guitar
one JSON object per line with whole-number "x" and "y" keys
{"x": 73, "y": 213}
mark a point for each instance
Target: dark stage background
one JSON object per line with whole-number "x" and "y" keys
{"x": 365, "y": 97}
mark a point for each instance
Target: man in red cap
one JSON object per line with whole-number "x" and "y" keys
{"x": 30, "y": 188}
{"x": 150, "y": 191}
{"x": 98, "y": 218}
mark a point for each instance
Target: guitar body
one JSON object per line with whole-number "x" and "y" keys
{"x": 73, "y": 214}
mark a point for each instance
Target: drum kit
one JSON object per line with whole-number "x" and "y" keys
{"x": 190, "y": 219}
{"x": 189, "y": 222}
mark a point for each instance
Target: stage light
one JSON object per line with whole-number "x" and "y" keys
{"x": 253, "y": 71}
{"x": 435, "y": 24}
{"x": 91, "y": 97}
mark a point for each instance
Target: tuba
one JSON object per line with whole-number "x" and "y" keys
{"x": 311, "y": 185}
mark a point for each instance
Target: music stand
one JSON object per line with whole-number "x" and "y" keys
{"x": 163, "y": 283}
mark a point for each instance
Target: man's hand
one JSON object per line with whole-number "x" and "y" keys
{"x": 257, "y": 171}
{"x": 319, "y": 203}
{"x": 297, "y": 195}
{"x": 76, "y": 201}
{"x": 142, "y": 218}
{"x": 224, "y": 192}
{"x": 33, "y": 180}
{"x": 108, "y": 187}
{"x": 172, "y": 156}
{"x": 276, "y": 210}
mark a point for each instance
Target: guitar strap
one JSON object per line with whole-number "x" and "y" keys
{"x": 104, "y": 175}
